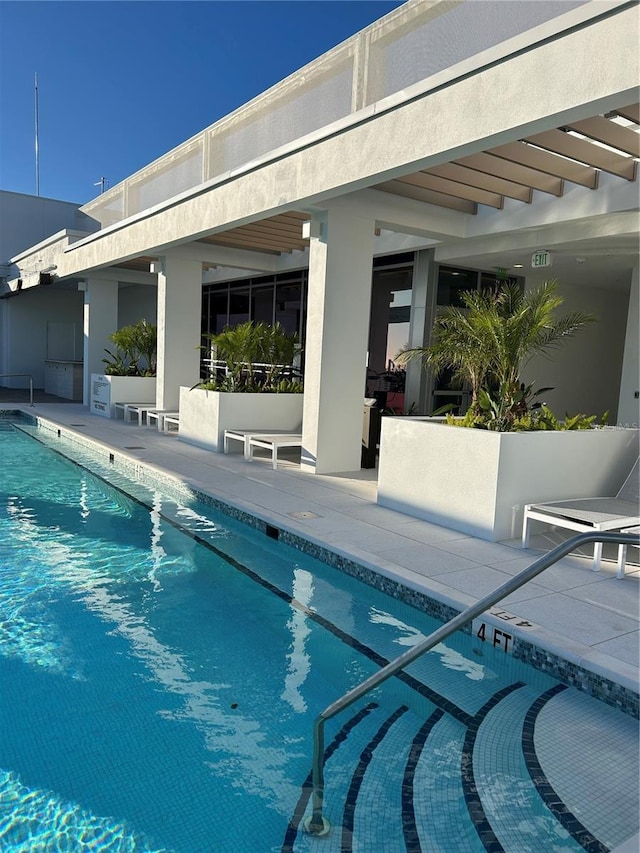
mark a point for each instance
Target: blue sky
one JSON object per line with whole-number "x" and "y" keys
{"x": 120, "y": 83}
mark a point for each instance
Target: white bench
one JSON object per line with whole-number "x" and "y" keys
{"x": 158, "y": 416}
{"x": 273, "y": 443}
{"x": 245, "y": 435}
{"x": 169, "y": 421}
{"x": 139, "y": 409}
{"x": 121, "y": 408}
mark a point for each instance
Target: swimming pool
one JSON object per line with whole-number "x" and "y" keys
{"x": 162, "y": 666}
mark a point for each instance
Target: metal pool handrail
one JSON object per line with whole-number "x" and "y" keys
{"x": 14, "y": 375}
{"x": 317, "y": 824}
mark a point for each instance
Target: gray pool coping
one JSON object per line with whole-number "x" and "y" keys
{"x": 579, "y": 626}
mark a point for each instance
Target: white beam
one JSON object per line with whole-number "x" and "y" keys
{"x": 406, "y": 215}
{"x": 614, "y": 225}
{"x": 207, "y": 253}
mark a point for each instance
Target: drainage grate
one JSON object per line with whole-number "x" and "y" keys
{"x": 135, "y": 447}
{"x": 304, "y": 514}
{"x": 76, "y": 425}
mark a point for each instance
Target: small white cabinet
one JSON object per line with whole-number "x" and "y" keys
{"x": 64, "y": 379}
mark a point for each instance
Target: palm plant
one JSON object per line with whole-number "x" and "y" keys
{"x": 136, "y": 348}
{"x": 257, "y": 357}
{"x": 489, "y": 341}
{"x": 461, "y": 342}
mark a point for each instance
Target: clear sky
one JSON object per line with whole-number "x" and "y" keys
{"x": 120, "y": 83}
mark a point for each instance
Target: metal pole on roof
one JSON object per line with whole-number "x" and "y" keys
{"x": 37, "y": 146}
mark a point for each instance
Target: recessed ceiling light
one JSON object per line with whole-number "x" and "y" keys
{"x": 518, "y": 266}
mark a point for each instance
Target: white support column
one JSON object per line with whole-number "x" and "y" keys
{"x": 628, "y": 405}
{"x": 340, "y": 264}
{"x": 100, "y": 321}
{"x": 179, "y": 310}
{"x": 423, "y": 307}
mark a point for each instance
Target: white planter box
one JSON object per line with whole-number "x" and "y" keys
{"x": 108, "y": 390}
{"x": 478, "y": 481}
{"x": 204, "y": 415}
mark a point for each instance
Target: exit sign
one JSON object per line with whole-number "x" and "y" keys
{"x": 541, "y": 259}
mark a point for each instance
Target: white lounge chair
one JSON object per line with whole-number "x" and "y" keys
{"x": 585, "y": 514}
{"x": 274, "y": 442}
{"x": 121, "y": 409}
{"x": 140, "y": 410}
{"x": 622, "y": 552}
{"x": 245, "y": 436}
{"x": 158, "y": 416}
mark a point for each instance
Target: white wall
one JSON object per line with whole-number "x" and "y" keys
{"x": 26, "y": 329}
{"x": 585, "y": 370}
{"x": 26, "y": 220}
{"x": 137, "y": 302}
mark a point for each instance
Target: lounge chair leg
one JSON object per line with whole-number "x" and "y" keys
{"x": 622, "y": 559}
{"x": 525, "y": 532}
{"x": 597, "y": 556}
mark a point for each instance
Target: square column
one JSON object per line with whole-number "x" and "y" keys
{"x": 179, "y": 312}
{"x": 628, "y": 403}
{"x": 424, "y": 291}
{"x": 340, "y": 265}
{"x": 100, "y": 321}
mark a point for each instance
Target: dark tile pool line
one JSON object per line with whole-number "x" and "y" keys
{"x": 604, "y": 689}
{"x": 551, "y": 799}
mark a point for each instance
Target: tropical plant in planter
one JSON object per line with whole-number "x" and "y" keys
{"x": 258, "y": 358}
{"x": 487, "y": 343}
{"x": 254, "y": 386}
{"x": 135, "y": 351}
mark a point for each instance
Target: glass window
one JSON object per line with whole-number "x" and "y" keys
{"x": 262, "y": 304}
{"x": 288, "y": 308}
{"x": 239, "y": 305}
{"x": 451, "y": 282}
{"x": 218, "y": 314}
{"x": 398, "y": 329}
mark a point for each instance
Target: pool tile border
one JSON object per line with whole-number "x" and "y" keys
{"x": 597, "y": 686}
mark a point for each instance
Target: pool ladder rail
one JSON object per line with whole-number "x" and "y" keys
{"x": 317, "y": 824}
{"x": 15, "y": 375}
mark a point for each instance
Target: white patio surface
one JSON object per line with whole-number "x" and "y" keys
{"x": 591, "y": 619}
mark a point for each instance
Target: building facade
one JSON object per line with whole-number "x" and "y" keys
{"x": 447, "y": 143}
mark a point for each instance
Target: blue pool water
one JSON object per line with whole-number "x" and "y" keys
{"x": 161, "y": 667}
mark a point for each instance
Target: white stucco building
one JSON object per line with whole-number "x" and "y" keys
{"x": 446, "y": 143}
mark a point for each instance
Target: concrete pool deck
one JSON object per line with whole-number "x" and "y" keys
{"x": 589, "y": 619}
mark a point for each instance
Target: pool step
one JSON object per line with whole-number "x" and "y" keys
{"x": 399, "y": 781}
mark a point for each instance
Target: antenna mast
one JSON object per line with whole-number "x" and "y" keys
{"x": 37, "y": 150}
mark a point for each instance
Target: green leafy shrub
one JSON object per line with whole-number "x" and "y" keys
{"x": 258, "y": 358}
{"x": 534, "y": 420}
{"x": 136, "y": 350}
{"x": 487, "y": 343}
